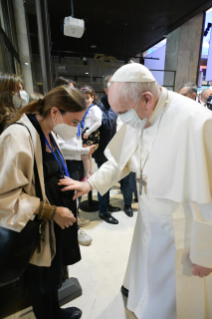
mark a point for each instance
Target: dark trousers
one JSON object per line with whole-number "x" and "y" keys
{"x": 127, "y": 188}
{"x": 135, "y": 186}
{"x": 105, "y": 199}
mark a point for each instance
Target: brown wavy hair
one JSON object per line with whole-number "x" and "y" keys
{"x": 89, "y": 90}
{"x": 65, "y": 98}
{"x": 9, "y": 85}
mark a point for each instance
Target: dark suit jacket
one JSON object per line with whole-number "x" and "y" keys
{"x": 209, "y": 106}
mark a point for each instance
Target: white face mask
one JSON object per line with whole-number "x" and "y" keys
{"x": 131, "y": 118}
{"x": 65, "y": 131}
{"x": 24, "y": 98}
{"x": 17, "y": 102}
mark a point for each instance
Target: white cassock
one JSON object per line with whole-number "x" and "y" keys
{"x": 174, "y": 222}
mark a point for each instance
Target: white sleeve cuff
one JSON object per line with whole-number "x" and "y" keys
{"x": 90, "y": 183}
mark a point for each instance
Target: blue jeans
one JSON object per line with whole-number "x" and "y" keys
{"x": 105, "y": 199}
{"x": 127, "y": 188}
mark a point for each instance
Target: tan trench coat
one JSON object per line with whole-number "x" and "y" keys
{"x": 17, "y": 190}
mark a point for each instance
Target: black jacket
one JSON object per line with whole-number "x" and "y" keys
{"x": 107, "y": 129}
{"x": 209, "y": 106}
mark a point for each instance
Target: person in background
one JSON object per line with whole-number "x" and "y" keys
{"x": 189, "y": 90}
{"x": 22, "y": 200}
{"x": 107, "y": 131}
{"x": 91, "y": 121}
{"x": 72, "y": 151}
{"x": 64, "y": 81}
{"x": 10, "y": 99}
{"x": 206, "y": 98}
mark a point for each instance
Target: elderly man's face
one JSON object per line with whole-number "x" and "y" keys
{"x": 185, "y": 92}
{"x": 121, "y": 106}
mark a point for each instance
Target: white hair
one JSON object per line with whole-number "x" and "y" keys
{"x": 133, "y": 90}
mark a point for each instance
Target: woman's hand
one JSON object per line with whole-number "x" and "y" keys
{"x": 92, "y": 149}
{"x": 64, "y": 217}
{"x": 72, "y": 185}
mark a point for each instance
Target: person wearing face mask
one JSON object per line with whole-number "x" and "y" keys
{"x": 167, "y": 143}
{"x": 206, "y": 99}
{"x": 23, "y": 94}
{"x": 21, "y": 147}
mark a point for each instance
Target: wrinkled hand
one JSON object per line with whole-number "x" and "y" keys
{"x": 92, "y": 149}
{"x": 64, "y": 217}
{"x": 85, "y": 136}
{"x": 72, "y": 185}
{"x": 200, "y": 271}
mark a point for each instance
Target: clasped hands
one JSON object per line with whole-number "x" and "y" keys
{"x": 200, "y": 270}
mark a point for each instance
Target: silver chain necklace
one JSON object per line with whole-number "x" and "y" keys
{"x": 141, "y": 179}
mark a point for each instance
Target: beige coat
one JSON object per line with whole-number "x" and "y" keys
{"x": 17, "y": 190}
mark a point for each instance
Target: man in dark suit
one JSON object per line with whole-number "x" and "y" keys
{"x": 206, "y": 98}
{"x": 107, "y": 131}
{"x": 189, "y": 90}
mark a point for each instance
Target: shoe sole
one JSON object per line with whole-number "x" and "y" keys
{"x": 85, "y": 244}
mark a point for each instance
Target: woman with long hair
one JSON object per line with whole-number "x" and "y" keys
{"x": 21, "y": 149}
{"x": 9, "y": 97}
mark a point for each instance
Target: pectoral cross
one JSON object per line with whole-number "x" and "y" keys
{"x": 142, "y": 182}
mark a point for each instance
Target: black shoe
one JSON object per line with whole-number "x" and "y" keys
{"x": 108, "y": 218}
{"x": 128, "y": 210}
{"x": 67, "y": 313}
{"x": 113, "y": 209}
{"x": 124, "y": 291}
{"x": 136, "y": 199}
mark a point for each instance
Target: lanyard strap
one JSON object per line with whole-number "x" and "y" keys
{"x": 58, "y": 153}
{"x": 82, "y": 124}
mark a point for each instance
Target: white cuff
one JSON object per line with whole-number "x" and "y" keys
{"x": 90, "y": 183}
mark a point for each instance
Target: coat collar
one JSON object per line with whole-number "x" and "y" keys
{"x": 162, "y": 102}
{"x": 37, "y": 151}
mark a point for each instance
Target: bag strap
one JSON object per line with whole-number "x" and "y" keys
{"x": 37, "y": 180}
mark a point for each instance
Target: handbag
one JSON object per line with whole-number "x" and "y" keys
{"x": 17, "y": 248}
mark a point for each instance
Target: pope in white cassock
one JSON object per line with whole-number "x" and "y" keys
{"x": 167, "y": 141}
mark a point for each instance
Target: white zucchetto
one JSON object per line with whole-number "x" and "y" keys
{"x": 133, "y": 72}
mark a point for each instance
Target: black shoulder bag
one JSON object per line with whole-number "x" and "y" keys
{"x": 17, "y": 248}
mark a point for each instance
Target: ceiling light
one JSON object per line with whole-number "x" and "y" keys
{"x": 209, "y": 10}
{"x": 26, "y": 63}
{"x": 93, "y": 46}
{"x": 86, "y": 72}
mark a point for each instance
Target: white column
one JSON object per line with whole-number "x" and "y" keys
{"x": 23, "y": 44}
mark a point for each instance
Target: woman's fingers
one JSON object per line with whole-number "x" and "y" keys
{"x": 65, "y": 181}
{"x": 68, "y": 188}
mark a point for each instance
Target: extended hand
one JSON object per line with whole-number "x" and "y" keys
{"x": 64, "y": 217}
{"x": 85, "y": 136}
{"x": 72, "y": 185}
{"x": 200, "y": 271}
